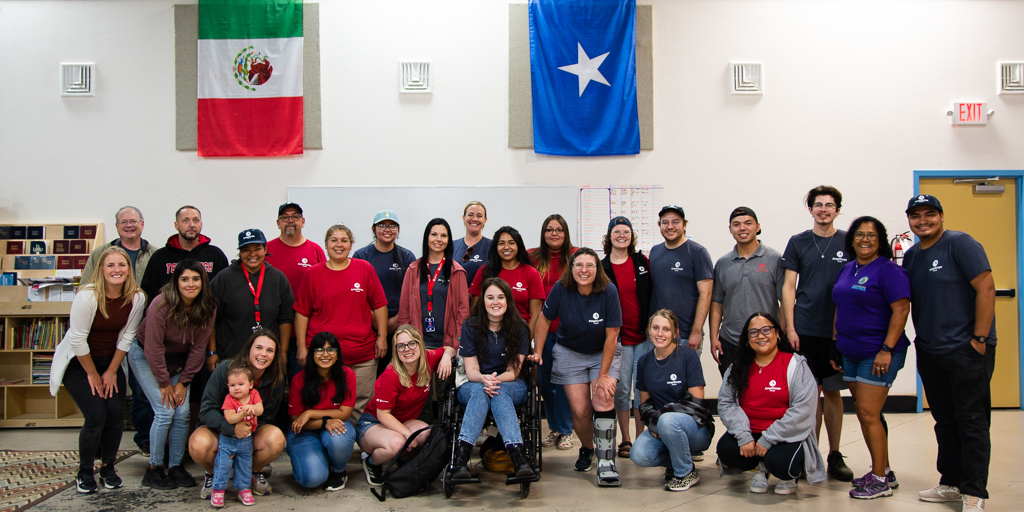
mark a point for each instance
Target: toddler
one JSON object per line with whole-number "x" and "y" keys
{"x": 242, "y": 403}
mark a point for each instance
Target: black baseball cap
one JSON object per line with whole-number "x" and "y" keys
{"x": 924, "y": 200}
{"x": 671, "y": 208}
{"x": 280, "y": 211}
{"x": 251, "y": 236}
{"x": 741, "y": 211}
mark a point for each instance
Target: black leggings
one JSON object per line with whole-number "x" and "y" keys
{"x": 104, "y": 417}
{"x": 784, "y": 460}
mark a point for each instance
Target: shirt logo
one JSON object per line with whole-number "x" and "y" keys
{"x": 673, "y": 380}
{"x": 772, "y": 387}
{"x": 935, "y": 266}
{"x": 597, "y": 319}
{"x": 356, "y": 288}
{"x": 677, "y": 268}
{"x": 840, "y": 257}
{"x": 642, "y": 269}
{"x": 395, "y": 267}
{"x": 672, "y": 377}
{"x": 476, "y": 257}
{"x": 761, "y": 267}
{"x": 304, "y": 263}
{"x": 863, "y": 280}
{"x": 677, "y": 264}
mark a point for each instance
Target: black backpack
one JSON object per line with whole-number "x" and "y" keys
{"x": 416, "y": 474}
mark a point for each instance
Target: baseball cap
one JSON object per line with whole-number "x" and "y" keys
{"x": 671, "y": 208}
{"x": 741, "y": 211}
{"x": 386, "y": 215}
{"x": 924, "y": 200}
{"x": 251, "y": 236}
{"x": 285, "y": 206}
{"x": 619, "y": 220}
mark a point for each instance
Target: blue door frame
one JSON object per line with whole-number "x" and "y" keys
{"x": 1018, "y": 177}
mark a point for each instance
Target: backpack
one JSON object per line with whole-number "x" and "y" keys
{"x": 416, "y": 474}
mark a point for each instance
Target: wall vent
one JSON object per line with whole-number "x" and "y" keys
{"x": 1011, "y": 78}
{"x": 747, "y": 78}
{"x": 414, "y": 77}
{"x": 77, "y": 79}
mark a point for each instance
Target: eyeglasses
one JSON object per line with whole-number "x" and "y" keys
{"x": 673, "y": 222}
{"x": 329, "y": 351}
{"x": 386, "y": 227}
{"x": 765, "y": 331}
{"x": 469, "y": 254}
{"x": 402, "y": 347}
{"x": 871, "y": 237}
{"x": 127, "y": 222}
{"x": 825, "y": 206}
{"x": 287, "y": 218}
{"x": 554, "y": 231}
{"x": 581, "y": 266}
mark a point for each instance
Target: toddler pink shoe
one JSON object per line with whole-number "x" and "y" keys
{"x": 217, "y": 498}
{"x": 245, "y": 496}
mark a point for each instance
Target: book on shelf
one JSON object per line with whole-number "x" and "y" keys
{"x": 35, "y": 232}
{"x": 80, "y": 261}
{"x": 15, "y": 247}
{"x": 65, "y": 262}
{"x": 22, "y": 263}
{"x": 88, "y": 232}
{"x": 78, "y": 247}
{"x": 38, "y": 262}
{"x": 9, "y": 279}
{"x": 5, "y": 232}
{"x": 37, "y": 247}
{"x": 40, "y": 334}
{"x": 62, "y": 247}
{"x": 18, "y": 232}
{"x": 71, "y": 232}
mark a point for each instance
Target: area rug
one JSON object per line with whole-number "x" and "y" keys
{"x": 27, "y": 478}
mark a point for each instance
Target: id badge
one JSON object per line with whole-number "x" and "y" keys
{"x": 428, "y": 324}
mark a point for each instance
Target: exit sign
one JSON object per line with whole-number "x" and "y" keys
{"x": 969, "y": 113}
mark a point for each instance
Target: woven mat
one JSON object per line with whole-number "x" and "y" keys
{"x": 27, "y": 478}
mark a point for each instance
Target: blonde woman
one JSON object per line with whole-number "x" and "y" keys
{"x": 88, "y": 361}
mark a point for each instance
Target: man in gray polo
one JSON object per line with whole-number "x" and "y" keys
{"x": 748, "y": 279}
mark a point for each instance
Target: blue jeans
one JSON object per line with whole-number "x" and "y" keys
{"x": 314, "y": 451}
{"x": 241, "y": 450}
{"x": 556, "y": 404}
{"x": 169, "y": 424}
{"x": 502, "y": 407}
{"x": 626, "y": 397}
{"x": 679, "y": 436}
{"x": 142, "y": 412}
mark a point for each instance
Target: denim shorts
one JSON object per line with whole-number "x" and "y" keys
{"x": 571, "y": 367}
{"x": 365, "y": 423}
{"x": 859, "y": 370}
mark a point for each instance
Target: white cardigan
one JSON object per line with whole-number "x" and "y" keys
{"x": 76, "y": 340}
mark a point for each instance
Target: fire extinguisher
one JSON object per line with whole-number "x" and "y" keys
{"x": 897, "y": 247}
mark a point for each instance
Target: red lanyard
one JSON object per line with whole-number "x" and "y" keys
{"x": 430, "y": 286}
{"x": 256, "y": 291}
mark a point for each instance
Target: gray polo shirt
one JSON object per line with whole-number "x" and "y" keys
{"x": 746, "y": 285}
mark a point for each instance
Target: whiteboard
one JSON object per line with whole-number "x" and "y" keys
{"x": 522, "y": 207}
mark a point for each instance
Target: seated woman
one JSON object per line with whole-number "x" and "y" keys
{"x": 494, "y": 342}
{"x": 671, "y": 386}
{"x": 398, "y": 397}
{"x": 767, "y": 403}
{"x": 320, "y": 402}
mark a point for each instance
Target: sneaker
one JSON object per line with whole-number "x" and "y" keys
{"x": 585, "y": 460}
{"x": 336, "y": 481}
{"x": 217, "y": 498}
{"x": 785, "y": 486}
{"x": 155, "y": 478}
{"x": 973, "y": 503}
{"x": 759, "y": 483}
{"x": 890, "y": 478}
{"x": 837, "y": 467}
{"x": 207, "y": 488}
{"x": 109, "y": 478}
{"x": 245, "y": 496}
{"x": 85, "y": 482}
{"x": 260, "y": 485}
{"x": 373, "y": 472}
{"x": 871, "y": 487}
{"x": 181, "y": 477}
{"x": 940, "y": 494}
{"x": 697, "y": 456}
{"x": 143, "y": 449}
{"x": 551, "y": 440}
{"x": 681, "y": 484}
{"x": 565, "y": 443}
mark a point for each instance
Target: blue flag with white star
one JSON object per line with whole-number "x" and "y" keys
{"x": 583, "y": 69}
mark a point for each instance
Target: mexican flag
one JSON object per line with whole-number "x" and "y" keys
{"x": 250, "y": 77}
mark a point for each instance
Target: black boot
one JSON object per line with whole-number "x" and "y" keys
{"x": 462, "y": 453}
{"x": 523, "y": 467}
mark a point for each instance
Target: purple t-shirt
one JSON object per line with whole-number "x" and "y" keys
{"x": 863, "y": 296}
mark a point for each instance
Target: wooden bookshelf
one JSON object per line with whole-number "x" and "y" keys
{"x": 68, "y": 245}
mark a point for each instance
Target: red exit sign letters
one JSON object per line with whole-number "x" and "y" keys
{"x": 969, "y": 113}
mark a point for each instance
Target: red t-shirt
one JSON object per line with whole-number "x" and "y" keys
{"x": 625, "y": 281}
{"x": 342, "y": 303}
{"x": 294, "y": 261}
{"x": 766, "y": 398}
{"x": 232, "y": 404}
{"x": 525, "y": 282}
{"x": 552, "y": 276}
{"x": 296, "y": 407}
{"x": 404, "y": 403}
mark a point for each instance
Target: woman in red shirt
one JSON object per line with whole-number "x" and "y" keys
{"x": 507, "y": 259}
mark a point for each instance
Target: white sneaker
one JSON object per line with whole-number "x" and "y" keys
{"x": 759, "y": 483}
{"x": 785, "y": 487}
{"x": 551, "y": 439}
{"x": 940, "y": 494}
{"x": 973, "y": 503}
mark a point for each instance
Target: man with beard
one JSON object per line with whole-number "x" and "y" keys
{"x": 188, "y": 243}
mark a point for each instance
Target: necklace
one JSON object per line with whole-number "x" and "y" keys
{"x": 667, "y": 359}
{"x": 826, "y": 245}
{"x": 857, "y": 267}
{"x": 761, "y": 368}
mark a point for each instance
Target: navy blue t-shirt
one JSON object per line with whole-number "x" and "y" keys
{"x": 390, "y": 268}
{"x": 674, "y": 277}
{"x": 582, "y": 320}
{"x": 494, "y": 360}
{"x": 818, "y": 261}
{"x": 434, "y": 339}
{"x": 476, "y": 260}
{"x": 669, "y": 379}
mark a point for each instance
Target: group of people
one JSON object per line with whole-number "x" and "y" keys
{"x": 363, "y": 343}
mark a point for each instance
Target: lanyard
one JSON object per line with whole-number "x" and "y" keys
{"x": 430, "y": 286}
{"x": 256, "y": 291}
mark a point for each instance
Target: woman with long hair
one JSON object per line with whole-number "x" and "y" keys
{"x": 872, "y": 296}
{"x": 104, "y": 318}
{"x": 494, "y": 343}
{"x": 767, "y": 403}
{"x": 320, "y": 403}
{"x": 508, "y": 260}
{"x": 261, "y": 354}
{"x": 398, "y": 398}
{"x": 586, "y": 357}
{"x": 167, "y": 354}
{"x": 550, "y": 258}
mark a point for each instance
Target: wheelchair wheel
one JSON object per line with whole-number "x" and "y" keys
{"x": 524, "y": 489}
{"x": 446, "y": 483}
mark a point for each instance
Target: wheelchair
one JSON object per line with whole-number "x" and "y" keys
{"x": 529, "y": 426}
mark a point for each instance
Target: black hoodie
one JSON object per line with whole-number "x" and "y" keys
{"x": 161, "y": 265}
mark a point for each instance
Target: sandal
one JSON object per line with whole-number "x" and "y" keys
{"x": 624, "y": 448}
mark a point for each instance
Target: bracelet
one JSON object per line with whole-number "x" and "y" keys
{"x": 211, "y": 353}
{"x": 323, "y": 422}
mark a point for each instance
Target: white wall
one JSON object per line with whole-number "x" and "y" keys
{"x": 856, "y": 95}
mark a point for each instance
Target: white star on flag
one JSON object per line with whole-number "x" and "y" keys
{"x": 586, "y": 69}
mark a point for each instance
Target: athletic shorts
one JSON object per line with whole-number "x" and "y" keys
{"x": 818, "y": 351}
{"x": 571, "y": 367}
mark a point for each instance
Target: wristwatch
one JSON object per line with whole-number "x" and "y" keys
{"x": 211, "y": 353}
{"x": 886, "y": 348}
{"x": 323, "y": 422}
{"x": 980, "y": 339}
